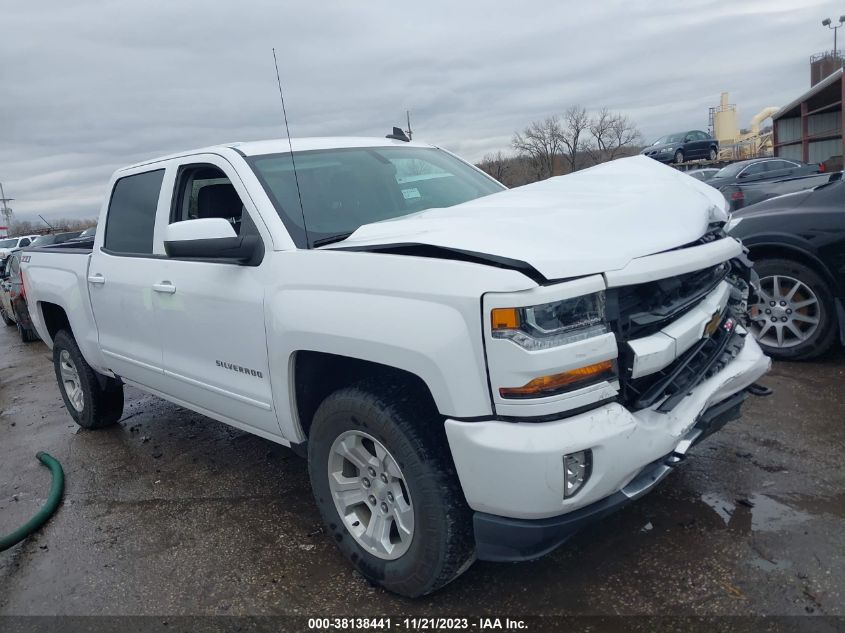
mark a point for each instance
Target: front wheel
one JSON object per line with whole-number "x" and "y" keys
{"x": 387, "y": 491}
{"x": 679, "y": 157}
{"x": 93, "y": 402}
{"x": 794, "y": 318}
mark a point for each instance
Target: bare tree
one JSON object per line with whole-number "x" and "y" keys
{"x": 576, "y": 122}
{"x": 540, "y": 142}
{"x": 613, "y": 134}
{"x": 27, "y": 227}
{"x": 496, "y": 165}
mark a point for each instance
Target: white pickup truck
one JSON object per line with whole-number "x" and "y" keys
{"x": 472, "y": 372}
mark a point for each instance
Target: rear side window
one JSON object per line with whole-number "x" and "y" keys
{"x": 132, "y": 212}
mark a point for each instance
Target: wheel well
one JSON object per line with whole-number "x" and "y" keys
{"x": 318, "y": 374}
{"x": 783, "y": 251}
{"x": 55, "y": 318}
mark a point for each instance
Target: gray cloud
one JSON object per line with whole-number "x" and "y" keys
{"x": 89, "y": 86}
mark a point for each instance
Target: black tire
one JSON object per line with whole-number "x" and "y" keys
{"x": 102, "y": 401}
{"x": 6, "y": 319}
{"x": 825, "y": 334}
{"x": 27, "y": 335}
{"x": 713, "y": 154}
{"x": 679, "y": 157}
{"x": 442, "y": 545}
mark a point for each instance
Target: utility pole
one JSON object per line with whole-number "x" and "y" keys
{"x": 6, "y": 210}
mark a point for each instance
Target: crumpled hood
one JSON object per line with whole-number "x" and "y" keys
{"x": 591, "y": 221}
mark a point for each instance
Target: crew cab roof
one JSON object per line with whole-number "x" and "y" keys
{"x": 282, "y": 145}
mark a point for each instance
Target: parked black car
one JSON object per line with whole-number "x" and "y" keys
{"x": 744, "y": 194}
{"x": 17, "y": 298}
{"x": 683, "y": 146}
{"x": 757, "y": 169}
{"x": 797, "y": 243}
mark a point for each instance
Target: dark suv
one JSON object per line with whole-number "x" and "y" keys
{"x": 797, "y": 242}
{"x": 683, "y": 146}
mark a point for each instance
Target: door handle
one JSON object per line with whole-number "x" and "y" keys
{"x": 96, "y": 279}
{"x": 165, "y": 287}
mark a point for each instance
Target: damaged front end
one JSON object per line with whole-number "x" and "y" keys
{"x": 676, "y": 332}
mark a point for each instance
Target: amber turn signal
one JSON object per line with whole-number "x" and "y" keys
{"x": 556, "y": 383}
{"x": 504, "y": 319}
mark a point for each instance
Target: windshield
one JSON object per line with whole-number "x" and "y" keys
{"x": 343, "y": 189}
{"x": 9, "y": 243}
{"x": 669, "y": 138}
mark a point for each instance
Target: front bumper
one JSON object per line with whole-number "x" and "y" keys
{"x": 504, "y": 539}
{"x": 662, "y": 157}
{"x": 515, "y": 470}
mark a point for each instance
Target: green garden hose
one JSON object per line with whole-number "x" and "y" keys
{"x": 46, "y": 511}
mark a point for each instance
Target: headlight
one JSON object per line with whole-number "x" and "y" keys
{"x": 666, "y": 150}
{"x": 551, "y": 324}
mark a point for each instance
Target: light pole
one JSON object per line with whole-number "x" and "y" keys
{"x": 826, "y": 22}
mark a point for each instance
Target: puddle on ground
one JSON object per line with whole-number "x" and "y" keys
{"x": 758, "y": 513}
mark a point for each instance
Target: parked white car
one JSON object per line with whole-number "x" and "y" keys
{"x": 9, "y": 245}
{"x": 472, "y": 372}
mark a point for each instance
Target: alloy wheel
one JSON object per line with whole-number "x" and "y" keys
{"x": 787, "y": 314}
{"x": 71, "y": 382}
{"x": 370, "y": 494}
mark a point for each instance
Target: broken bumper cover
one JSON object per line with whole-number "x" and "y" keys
{"x": 505, "y": 539}
{"x": 512, "y": 473}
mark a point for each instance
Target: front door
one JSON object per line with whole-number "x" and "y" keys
{"x": 212, "y": 317}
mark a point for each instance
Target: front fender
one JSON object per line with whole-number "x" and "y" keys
{"x": 439, "y": 343}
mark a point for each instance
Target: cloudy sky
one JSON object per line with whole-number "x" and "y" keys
{"x": 86, "y": 87}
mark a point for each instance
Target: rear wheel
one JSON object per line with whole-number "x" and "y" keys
{"x": 386, "y": 488}
{"x": 679, "y": 157}
{"x": 794, "y": 317}
{"x": 94, "y": 402}
{"x": 713, "y": 154}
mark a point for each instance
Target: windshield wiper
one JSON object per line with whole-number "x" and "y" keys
{"x": 330, "y": 240}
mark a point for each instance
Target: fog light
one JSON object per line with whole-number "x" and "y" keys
{"x": 577, "y": 468}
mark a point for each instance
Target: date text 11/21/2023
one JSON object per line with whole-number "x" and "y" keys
{"x": 415, "y": 624}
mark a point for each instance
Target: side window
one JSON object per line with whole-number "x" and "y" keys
{"x": 775, "y": 165}
{"x": 755, "y": 169}
{"x": 132, "y": 211}
{"x": 204, "y": 191}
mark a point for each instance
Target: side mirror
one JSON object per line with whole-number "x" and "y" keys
{"x": 209, "y": 238}
{"x": 687, "y": 139}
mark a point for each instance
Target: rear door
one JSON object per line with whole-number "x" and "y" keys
{"x": 780, "y": 169}
{"x": 699, "y": 143}
{"x": 121, "y": 278}
{"x": 212, "y": 320}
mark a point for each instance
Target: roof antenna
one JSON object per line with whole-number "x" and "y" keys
{"x": 410, "y": 134}
{"x": 290, "y": 144}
